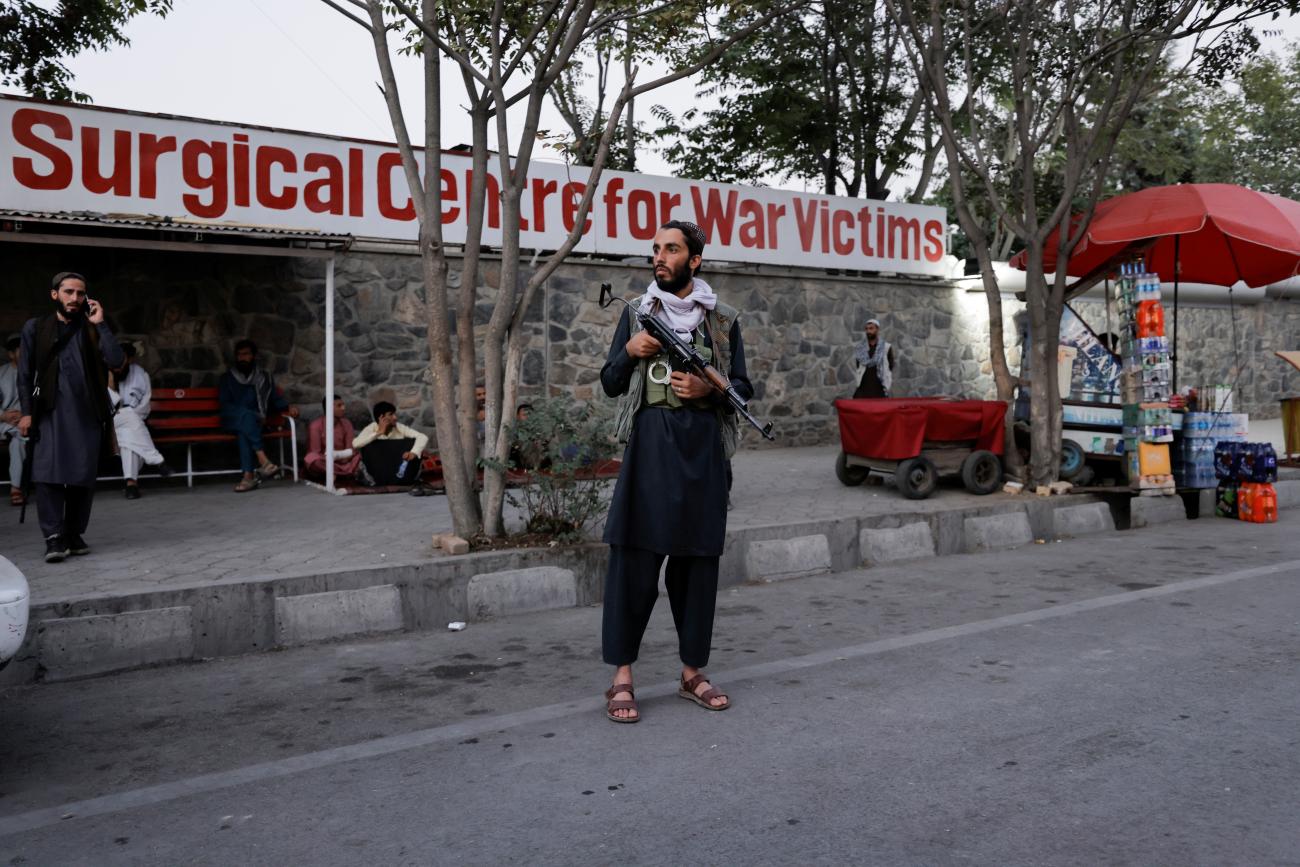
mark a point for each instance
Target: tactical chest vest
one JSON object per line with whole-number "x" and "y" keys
{"x": 719, "y": 322}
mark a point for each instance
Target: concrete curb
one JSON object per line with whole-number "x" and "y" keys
{"x": 313, "y": 617}
{"x": 888, "y": 545}
{"x": 1147, "y": 511}
{"x": 515, "y": 591}
{"x": 778, "y": 559}
{"x": 1082, "y": 520}
{"x": 95, "y": 635}
{"x": 998, "y": 532}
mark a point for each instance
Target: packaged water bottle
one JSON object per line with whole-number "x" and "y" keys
{"x": 401, "y": 470}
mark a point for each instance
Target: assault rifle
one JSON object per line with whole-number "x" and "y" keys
{"x": 684, "y": 357}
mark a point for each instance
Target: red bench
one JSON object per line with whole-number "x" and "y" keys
{"x": 190, "y": 415}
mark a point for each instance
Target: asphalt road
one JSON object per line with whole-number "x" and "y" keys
{"x": 1125, "y": 699}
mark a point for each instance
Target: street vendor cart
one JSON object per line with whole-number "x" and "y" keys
{"x": 916, "y": 440}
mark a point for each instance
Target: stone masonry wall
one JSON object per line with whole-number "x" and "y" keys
{"x": 186, "y": 310}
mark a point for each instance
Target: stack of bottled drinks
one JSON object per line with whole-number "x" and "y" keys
{"x": 1194, "y": 465}
{"x": 1144, "y": 382}
{"x": 1246, "y": 472}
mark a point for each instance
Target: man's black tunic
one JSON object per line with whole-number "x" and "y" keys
{"x": 671, "y": 495}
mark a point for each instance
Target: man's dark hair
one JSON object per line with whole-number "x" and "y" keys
{"x": 66, "y": 275}
{"x": 245, "y": 344}
{"x": 12, "y": 344}
{"x": 382, "y": 407}
{"x": 325, "y": 401}
{"x": 128, "y": 349}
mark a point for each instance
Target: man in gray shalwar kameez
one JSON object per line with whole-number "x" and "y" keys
{"x": 63, "y": 383}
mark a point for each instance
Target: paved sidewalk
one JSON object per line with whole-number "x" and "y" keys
{"x": 176, "y": 537}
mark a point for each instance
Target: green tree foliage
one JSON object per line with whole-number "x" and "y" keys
{"x": 35, "y": 41}
{"x": 825, "y": 96}
{"x": 1250, "y": 129}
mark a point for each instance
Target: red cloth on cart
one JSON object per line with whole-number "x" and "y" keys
{"x": 892, "y": 429}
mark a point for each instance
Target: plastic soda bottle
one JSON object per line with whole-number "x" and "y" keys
{"x": 1265, "y": 506}
{"x": 1265, "y": 467}
{"x": 1246, "y": 501}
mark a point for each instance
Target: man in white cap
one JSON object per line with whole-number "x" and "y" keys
{"x": 876, "y": 357}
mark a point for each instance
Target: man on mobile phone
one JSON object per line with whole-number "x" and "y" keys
{"x": 63, "y": 387}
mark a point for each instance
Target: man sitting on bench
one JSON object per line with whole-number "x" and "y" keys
{"x": 130, "y": 393}
{"x": 390, "y": 451}
{"x": 247, "y": 394}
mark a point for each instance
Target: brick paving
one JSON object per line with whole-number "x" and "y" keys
{"x": 174, "y": 537}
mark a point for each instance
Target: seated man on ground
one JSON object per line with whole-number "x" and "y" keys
{"x": 247, "y": 395}
{"x": 130, "y": 393}
{"x": 390, "y": 451}
{"x": 10, "y": 413}
{"x": 346, "y": 459}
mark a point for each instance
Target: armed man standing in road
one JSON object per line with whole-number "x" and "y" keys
{"x": 671, "y": 496}
{"x": 63, "y": 383}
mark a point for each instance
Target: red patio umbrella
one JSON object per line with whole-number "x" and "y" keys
{"x": 1219, "y": 233}
{"x": 1200, "y": 233}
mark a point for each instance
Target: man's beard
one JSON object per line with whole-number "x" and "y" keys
{"x": 65, "y": 312}
{"x": 676, "y": 282}
{"x": 244, "y": 367}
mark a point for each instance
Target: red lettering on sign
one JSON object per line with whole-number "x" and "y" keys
{"x": 449, "y": 195}
{"x": 806, "y": 221}
{"x": 716, "y": 220}
{"x": 612, "y": 200}
{"x": 288, "y": 162}
{"x": 864, "y": 220}
{"x": 239, "y": 156}
{"x": 667, "y": 201}
{"x": 213, "y": 179}
{"x": 541, "y": 189}
{"x": 752, "y": 233}
{"x": 774, "y": 215}
{"x": 324, "y": 195}
{"x": 933, "y": 240}
{"x": 356, "y": 182}
{"x": 24, "y": 128}
{"x": 152, "y": 147}
{"x": 641, "y": 222}
{"x": 388, "y": 162}
{"x": 118, "y": 181}
{"x": 907, "y": 232}
{"x": 570, "y": 198}
{"x": 840, "y": 221}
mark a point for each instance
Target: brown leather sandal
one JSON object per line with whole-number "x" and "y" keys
{"x": 687, "y": 691}
{"x": 621, "y": 704}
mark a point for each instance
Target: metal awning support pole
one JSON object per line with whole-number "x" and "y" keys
{"x": 1173, "y": 355}
{"x": 329, "y": 374}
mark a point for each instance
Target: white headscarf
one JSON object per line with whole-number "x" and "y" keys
{"x": 682, "y": 315}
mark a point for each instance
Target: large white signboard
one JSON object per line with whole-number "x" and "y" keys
{"x": 63, "y": 158}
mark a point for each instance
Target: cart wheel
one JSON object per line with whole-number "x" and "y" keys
{"x": 981, "y": 472}
{"x": 1072, "y": 459}
{"x": 916, "y": 478}
{"x": 851, "y": 476}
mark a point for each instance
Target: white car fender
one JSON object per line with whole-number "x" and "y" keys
{"x": 15, "y": 601}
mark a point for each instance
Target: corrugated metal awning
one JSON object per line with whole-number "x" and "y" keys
{"x": 92, "y": 219}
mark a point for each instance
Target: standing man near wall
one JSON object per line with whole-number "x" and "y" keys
{"x": 63, "y": 385}
{"x": 876, "y": 357}
{"x": 671, "y": 496}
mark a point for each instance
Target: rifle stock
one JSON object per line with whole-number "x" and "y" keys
{"x": 685, "y": 357}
